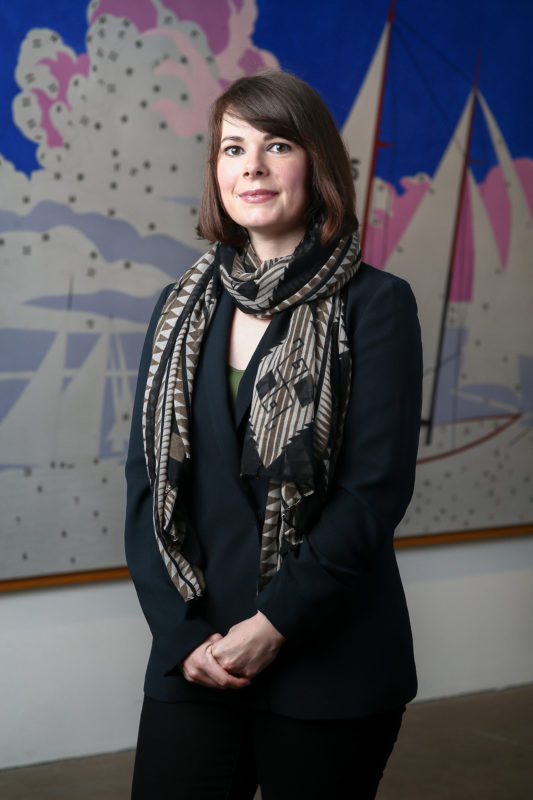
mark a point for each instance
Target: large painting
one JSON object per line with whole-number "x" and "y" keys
{"x": 101, "y": 152}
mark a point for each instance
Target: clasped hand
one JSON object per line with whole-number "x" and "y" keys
{"x": 233, "y": 660}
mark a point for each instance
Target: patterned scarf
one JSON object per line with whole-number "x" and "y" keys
{"x": 299, "y": 400}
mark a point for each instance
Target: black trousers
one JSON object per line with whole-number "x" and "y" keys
{"x": 216, "y": 752}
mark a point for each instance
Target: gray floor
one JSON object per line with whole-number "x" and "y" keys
{"x": 473, "y": 747}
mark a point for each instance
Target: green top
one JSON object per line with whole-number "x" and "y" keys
{"x": 234, "y": 378}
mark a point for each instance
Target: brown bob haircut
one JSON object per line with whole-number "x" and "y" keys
{"x": 282, "y": 105}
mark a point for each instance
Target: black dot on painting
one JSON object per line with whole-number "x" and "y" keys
{"x": 26, "y": 199}
{"x": 173, "y": 167}
{"x": 199, "y": 137}
{"x": 18, "y": 520}
{"x": 138, "y": 43}
{"x": 24, "y": 556}
{"x": 111, "y": 212}
{"x": 163, "y": 125}
{"x": 113, "y": 185}
{"x": 104, "y": 530}
{"x": 104, "y": 479}
{"x": 72, "y": 560}
{"x": 147, "y": 189}
{"x": 80, "y": 176}
{"x": 96, "y": 513}
{"x": 152, "y": 226}
{"x": 72, "y": 198}
{"x": 97, "y": 126}
{"x": 64, "y": 534}
{"x": 129, "y": 71}
{"x": 39, "y": 488}
{"x": 156, "y": 88}
{"x": 76, "y": 500}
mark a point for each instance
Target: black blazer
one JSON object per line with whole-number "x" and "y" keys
{"x": 338, "y": 599}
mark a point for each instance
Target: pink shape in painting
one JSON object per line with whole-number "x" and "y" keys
{"x": 63, "y": 67}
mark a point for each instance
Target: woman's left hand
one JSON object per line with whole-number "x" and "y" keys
{"x": 248, "y": 647}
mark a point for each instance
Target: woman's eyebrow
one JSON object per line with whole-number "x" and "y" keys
{"x": 266, "y": 138}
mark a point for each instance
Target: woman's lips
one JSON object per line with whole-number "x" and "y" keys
{"x": 257, "y": 196}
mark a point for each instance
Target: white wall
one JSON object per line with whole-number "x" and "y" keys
{"x": 71, "y": 671}
{"x": 72, "y": 659}
{"x": 471, "y": 609}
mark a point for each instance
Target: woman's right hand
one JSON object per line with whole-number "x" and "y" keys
{"x": 201, "y": 667}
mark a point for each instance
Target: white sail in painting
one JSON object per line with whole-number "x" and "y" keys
{"x": 359, "y": 136}
{"x": 422, "y": 255}
{"x": 80, "y": 407}
{"x": 498, "y": 318}
{"x": 27, "y": 431}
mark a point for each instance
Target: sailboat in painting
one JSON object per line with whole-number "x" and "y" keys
{"x": 477, "y": 431}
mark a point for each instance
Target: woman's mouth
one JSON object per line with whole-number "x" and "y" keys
{"x": 257, "y": 195}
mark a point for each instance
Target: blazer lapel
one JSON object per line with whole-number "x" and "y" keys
{"x": 215, "y": 376}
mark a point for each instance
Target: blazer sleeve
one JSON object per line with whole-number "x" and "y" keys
{"x": 374, "y": 478}
{"x": 176, "y": 626}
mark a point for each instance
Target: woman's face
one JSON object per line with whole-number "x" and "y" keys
{"x": 263, "y": 183}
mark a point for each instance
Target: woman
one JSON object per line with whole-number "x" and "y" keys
{"x": 278, "y": 410}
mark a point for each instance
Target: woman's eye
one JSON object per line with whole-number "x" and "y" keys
{"x": 233, "y": 150}
{"x": 280, "y": 147}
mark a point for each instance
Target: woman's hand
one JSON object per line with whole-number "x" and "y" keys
{"x": 201, "y": 667}
{"x": 248, "y": 647}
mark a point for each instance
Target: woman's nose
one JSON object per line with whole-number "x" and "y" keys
{"x": 254, "y": 165}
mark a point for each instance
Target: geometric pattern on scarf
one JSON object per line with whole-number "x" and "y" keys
{"x": 299, "y": 400}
